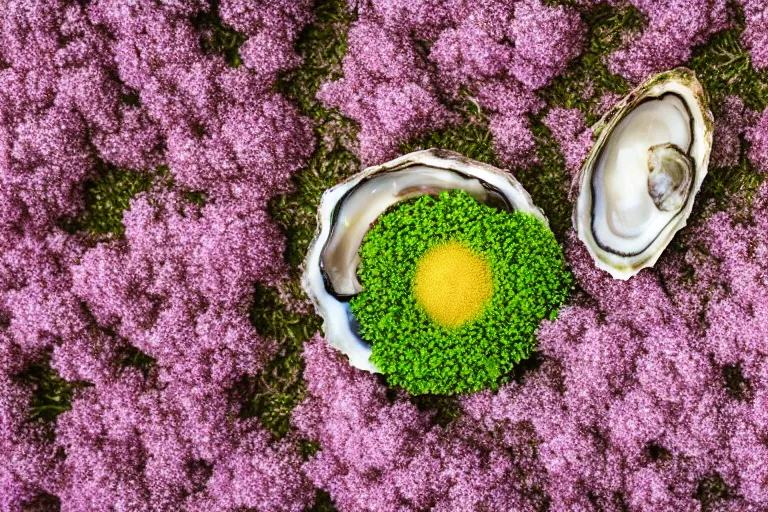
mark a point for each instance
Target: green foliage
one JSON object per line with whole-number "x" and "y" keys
{"x": 279, "y": 388}
{"x": 470, "y": 138}
{"x": 725, "y": 186}
{"x": 296, "y": 213}
{"x": 132, "y": 357}
{"x": 548, "y": 182}
{"x": 724, "y": 67}
{"x": 43, "y": 502}
{"x": 530, "y": 282}
{"x": 588, "y": 78}
{"x": 737, "y": 385}
{"x": 52, "y": 395}
{"x": 323, "y": 503}
{"x": 322, "y": 47}
{"x": 131, "y": 99}
{"x": 107, "y": 196}
{"x": 219, "y": 38}
{"x": 444, "y": 408}
{"x": 200, "y": 198}
{"x": 711, "y": 491}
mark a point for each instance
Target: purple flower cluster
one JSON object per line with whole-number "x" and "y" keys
{"x": 401, "y": 99}
{"x": 177, "y": 287}
{"x": 758, "y": 138}
{"x": 386, "y": 455}
{"x": 220, "y": 125}
{"x": 755, "y": 36}
{"x": 673, "y": 28}
{"x": 569, "y": 129}
{"x": 647, "y": 390}
{"x": 498, "y": 51}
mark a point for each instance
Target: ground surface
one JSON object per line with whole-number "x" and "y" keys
{"x": 722, "y": 64}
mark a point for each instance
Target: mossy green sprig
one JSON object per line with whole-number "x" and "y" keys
{"x": 529, "y": 283}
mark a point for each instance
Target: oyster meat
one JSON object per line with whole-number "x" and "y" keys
{"x": 348, "y": 210}
{"x": 639, "y": 182}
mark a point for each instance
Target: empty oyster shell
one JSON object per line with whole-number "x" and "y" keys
{"x": 348, "y": 210}
{"x": 638, "y": 184}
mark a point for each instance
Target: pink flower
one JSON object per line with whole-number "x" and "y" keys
{"x": 569, "y": 128}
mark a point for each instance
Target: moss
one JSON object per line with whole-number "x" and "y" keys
{"x": 724, "y": 67}
{"x": 548, "y": 182}
{"x": 443, "y": 408}
{"x": 296, "y": 213}
{"x": 711, "y": 491}
{"x": 43, "y": 502}
{"x": 217, "y": 37}
{"x": 588, "y": 78}
{"x": 106, "y": 198}
{"x": 132, "y": 357}
{"x": 52, "y": 395}
{"x": 323, "y": 503}
{"x": 724, "y": 187}
{"x": 322, "y": 46}
{"x": 422, "y": 352}
{"x": 132, "y": 99}
{"x": 738, "y": 386}
{"x": 199, "y": 198}
{"x": 658, "y": 453}
{"x": 274, "y": 393}
{"x": 308, "y": 449}
{"x": 471, "y": 138}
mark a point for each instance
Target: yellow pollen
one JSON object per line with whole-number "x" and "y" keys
{"x": 452, "y": 284}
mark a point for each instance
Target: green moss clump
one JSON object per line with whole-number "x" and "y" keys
{"x": 724, "y": 67}
{"x": 588, "y": 78}
{"x": 322, "y": 47}
{"x": 217, "y": 37}
{"x": 530, "y": 282}
{"x": 52, "y": 395}
{"x": 132, "y": 357}
{"x": 107, "y": 197}
{"x": 272, "y": 395}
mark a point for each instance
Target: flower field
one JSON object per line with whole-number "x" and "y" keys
{"x": 161, "y": 163}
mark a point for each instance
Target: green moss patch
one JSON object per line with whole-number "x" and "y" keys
{"x": 529, "y": 277}
{"x": 107, "y": 197}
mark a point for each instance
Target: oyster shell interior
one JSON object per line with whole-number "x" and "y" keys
{"x": 356, "y": 213}
{"x": 638, "y": 184}
{"x": 348, "y": 210}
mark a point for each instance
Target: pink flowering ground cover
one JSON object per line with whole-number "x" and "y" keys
{"x": 160, "y": 166}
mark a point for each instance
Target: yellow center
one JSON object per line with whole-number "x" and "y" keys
{"x": 452, "y": 284}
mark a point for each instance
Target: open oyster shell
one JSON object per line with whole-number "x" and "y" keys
{"x": 348, "y": 210}
{"x": 637, "y": 187}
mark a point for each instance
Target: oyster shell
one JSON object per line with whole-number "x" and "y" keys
{"x": 348, "y": 210}
{"x": 639, "y": 182}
